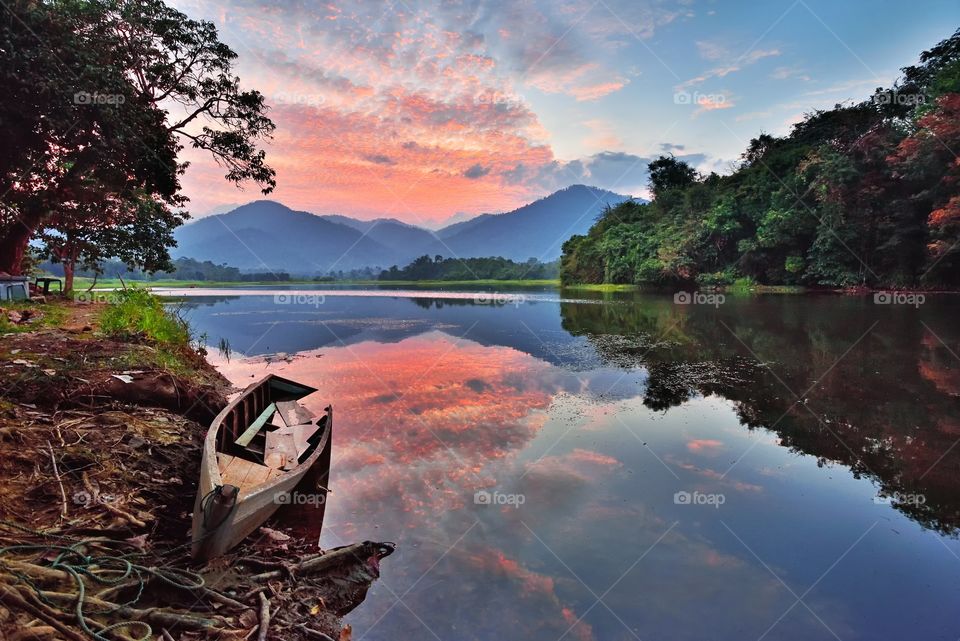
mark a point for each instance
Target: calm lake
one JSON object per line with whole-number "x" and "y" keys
{"x": 558, "y": 465}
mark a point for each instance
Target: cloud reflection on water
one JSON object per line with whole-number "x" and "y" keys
{"x": 424, "y": 423}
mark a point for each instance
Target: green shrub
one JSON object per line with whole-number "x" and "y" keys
{"x": 744, "y": 283}
{"x": 135, "y": 312}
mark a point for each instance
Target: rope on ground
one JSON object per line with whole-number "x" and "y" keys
{"x": 73, "y": 559}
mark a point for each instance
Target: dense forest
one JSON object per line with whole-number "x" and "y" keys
{"x": 861, "y": 195}
{"x": 440, "y": 268}
{"x": 181, "y": 269}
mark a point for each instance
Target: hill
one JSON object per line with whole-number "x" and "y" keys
{"x": 267, "y": 236}
{"x": 389, "y": 232}
{"x": 537, "y": 230}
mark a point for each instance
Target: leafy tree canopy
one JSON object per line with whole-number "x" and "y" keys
{"x": 864, "y": 194}
{"x": 102, "y": 95}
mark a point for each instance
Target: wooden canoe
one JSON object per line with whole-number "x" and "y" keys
{"x": 259, "y": 449}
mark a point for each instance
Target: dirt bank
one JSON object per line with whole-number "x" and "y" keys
{"x": 100, "y": 440}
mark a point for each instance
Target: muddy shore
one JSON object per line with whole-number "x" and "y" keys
{"x": 100, "y": 439}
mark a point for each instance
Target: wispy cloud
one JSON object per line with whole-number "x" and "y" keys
{"x": 786, "y": 73}
{"x": 724, "y": 70}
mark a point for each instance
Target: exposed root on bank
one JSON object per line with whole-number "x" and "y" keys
{"x": 101, "y": 451}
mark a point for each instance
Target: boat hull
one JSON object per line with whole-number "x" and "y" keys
{"x": 214, "y": 534}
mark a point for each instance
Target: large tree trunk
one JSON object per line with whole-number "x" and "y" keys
{"x": 68, "y": 269}
{"x": 13, "y": 244}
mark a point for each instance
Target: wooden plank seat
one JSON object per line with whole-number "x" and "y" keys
{"x": 244, "y": 439}
{"x": 243, "y": 473}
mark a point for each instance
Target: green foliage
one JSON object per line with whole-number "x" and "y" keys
{"x": 666, "y": 173}
{"x": 859, "y": 195}
{"x": 181, "y": 269}
{"x": 100, "y": 95}
{"x": 136, "y": 313}
{"x": 467, "y": 269}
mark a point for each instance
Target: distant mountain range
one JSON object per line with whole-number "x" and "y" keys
{"x": 267, "y": 236}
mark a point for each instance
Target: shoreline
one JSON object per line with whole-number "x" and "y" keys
{"x": 113, "y": 425}
{"x": 83, "y": 283}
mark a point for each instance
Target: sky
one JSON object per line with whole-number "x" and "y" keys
{"x": 426, "y": 110}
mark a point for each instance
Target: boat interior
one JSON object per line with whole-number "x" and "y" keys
{"x": 266, "y": 434}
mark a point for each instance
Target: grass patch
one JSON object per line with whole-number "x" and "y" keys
{"x": 746, "y": 287}
{"x": 54, "y": 313}
{"x": 156, "y": 336}
{"x": 136, "y": 313}
{"x": 602, "y": 287}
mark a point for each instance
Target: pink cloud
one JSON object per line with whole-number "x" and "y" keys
{"x": 702, "y": 445}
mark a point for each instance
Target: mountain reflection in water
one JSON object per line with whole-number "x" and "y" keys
{"x": 798, "y": 411}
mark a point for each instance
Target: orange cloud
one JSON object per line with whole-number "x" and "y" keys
{"x": 351, "y": 86}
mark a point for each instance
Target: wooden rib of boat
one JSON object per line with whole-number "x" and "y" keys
{"x": 260, "y": 448}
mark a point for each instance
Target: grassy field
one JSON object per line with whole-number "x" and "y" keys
{"x": 455, "y": 283}
{"x": 602, "y": 287}
{"x": 81, "y": 284}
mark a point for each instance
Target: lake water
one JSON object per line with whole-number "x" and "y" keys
{"x": 625, "y": 467}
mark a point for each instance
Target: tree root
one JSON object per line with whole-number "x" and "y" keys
{"x": 264, "y": 618}
{"x": 95, "y": 493}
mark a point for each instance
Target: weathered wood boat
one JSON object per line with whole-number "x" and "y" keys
{"x": 259, "y": 449}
